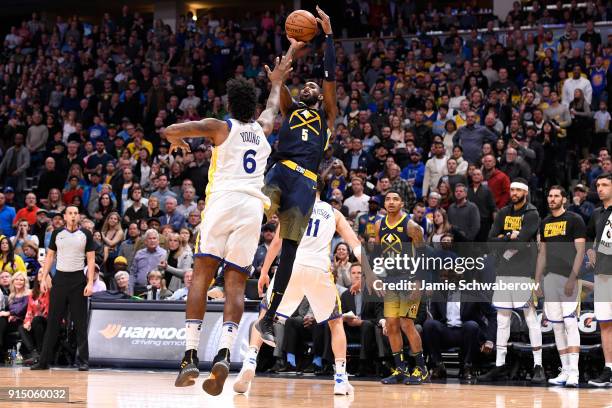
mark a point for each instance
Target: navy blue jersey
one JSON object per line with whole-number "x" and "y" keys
{"x": 303, "y": 137}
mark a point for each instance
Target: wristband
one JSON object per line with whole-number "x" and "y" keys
{"x": 329, "y": 59}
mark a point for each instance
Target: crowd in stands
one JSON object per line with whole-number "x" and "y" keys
{"x": 446, "y": 121}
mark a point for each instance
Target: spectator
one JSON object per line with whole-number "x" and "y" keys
{"x": 36, "y": 139}
{"x": 145, "y": 260}
{"x": 267, "y": 232}
{"x": 22, "y": 236}
{"x": 452, "y": 176}
{"x": 156, "y": 287}
{"x": 435, "y": 168}
{"x": 112, "y": 235}
{"x": 414, "y": 173}
{"x": 32, "y": 331}
{"x": 418, "y": 216}
{"x": 178, "y": 262}
{"x": 14, "y": 164}
{"x": 464, "y": 215}
{"x": 514, "y": 166}
{"x": 602, "y": 118}
{"x": 497, "y": 181}
{"x": 11, "y": 320}
{"x": 122, "y": 280}
{"x": 7, "y": 215}
{"x": 72, "y": 190}
{"x": 360, "y": 327}
{"x": 172, "y": 216}
{"x": 472, "y": 136}
{"x": 98, "y": 284}
{"x": 480, "y": 195}
{"x": 342, "y": 265}
{"x": 402, "y": 187}
{"x": 188, "y": 204}
{"x": 358, "y": 201}
{"x": 53, "y": 202}
{"x": 9, "y": 261}
{"x": 5, "y": 283}
{"x": 96, "y": 163}
{"x": 182, "y": 293}
{"x": 576, "y": 81}
{"x": 162, "y": 192}
{"x": 580, "y": 205}
{"x": 104, "y": 209}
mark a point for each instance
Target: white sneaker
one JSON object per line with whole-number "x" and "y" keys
{"x": 246, "y": 375}
{"x": 342, "y": 386}
{"x": 572, "y": 379}
{"x": 561, "y": 379}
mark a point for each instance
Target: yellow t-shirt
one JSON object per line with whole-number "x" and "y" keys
{"x": 17, "y": 266}
{"x": 134, "y": 150}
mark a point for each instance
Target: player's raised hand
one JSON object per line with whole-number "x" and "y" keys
{"x": 173, "y": 135}
{"x": 282, "y": 68}
{"x": 295, "y": 45}
{"x": 324, "y": 20}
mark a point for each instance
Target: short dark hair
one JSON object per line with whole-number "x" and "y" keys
{"x": 241, "y": 99}
{"x": 520, "y": 180}
{"x": 393, "y": 192}
{"x": 460, "y": 185}
{"x": 607, "y": 176}
{"x": 560, "y": 188}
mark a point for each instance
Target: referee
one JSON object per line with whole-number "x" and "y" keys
{"x": 70, "y": 288}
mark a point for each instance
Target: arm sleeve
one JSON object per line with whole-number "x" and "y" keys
{"x": 89, "y": 242}
{"x": 52, "y": 243}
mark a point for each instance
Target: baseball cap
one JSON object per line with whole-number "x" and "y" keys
{"x": 268, "y": 227}
{"x": 361, "y": 169}
{"x": 165, "y": 144}
{"x": 8, "y": 189}
{"x": 42, "y": 211}
{"x": 201, "y": 148}
{"x": 120, "y": 259}
{"x": 581, "y": 187}
{"x": 190, "y": 87}
{"x": 374, "y": 199}
{"x": 54, "y": 214}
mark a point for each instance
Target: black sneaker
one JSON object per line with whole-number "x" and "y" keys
{"x": 83, "y": 367}
{"x": 213, "y": 385}
{"x": 604, "y": 379}
{"x": 538, "y": 376}
{"x": 40, "y": 366}
{"x": 467, "y": 376}
{"x": 418, "y": 376}
{"x": 439, "y": 373}
{"x": 265, "y": 327}
{"x": 398, "y": 376}
{"x": 189, "y": 369}
{"x": 497, "y": 374}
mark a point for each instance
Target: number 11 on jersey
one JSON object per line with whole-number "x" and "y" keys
{"x": 316, "y": 228}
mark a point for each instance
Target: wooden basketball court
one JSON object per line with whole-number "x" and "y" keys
{"x": 116, "y": 388}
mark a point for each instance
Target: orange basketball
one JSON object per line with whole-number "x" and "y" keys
{"x": 301, "y": 25}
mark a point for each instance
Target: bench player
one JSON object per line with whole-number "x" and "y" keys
{"x": 231, "y": 220}
{"x": 562, "y": 242}
{"x": 311, "y": 277}
{"x": 399, "y": 235}
{"x": 515, "y": 229}
{"x": 291, "y": 182}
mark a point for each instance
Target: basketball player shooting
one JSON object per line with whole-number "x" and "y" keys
{"x": 311, "y": 278}
{"x": 231, "y": 220}
{"x": 291, "y": 182}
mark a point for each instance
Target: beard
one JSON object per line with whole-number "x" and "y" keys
{"x": 518, "y": 199}
{"x": 309, "y": 100}
{"x": 555, "y": 206}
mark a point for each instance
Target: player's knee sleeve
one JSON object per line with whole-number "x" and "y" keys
{"x": 560, "y": 336}
{"x": 572, "y": 331}
{"x": 535, "y": 332}
{"x": 503, "y": 326}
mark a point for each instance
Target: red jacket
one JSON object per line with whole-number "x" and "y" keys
{"x": 37, "y": 307}
{"x": 499, "y": 184}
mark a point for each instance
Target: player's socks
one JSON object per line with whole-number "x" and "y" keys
{"x": 251, "y": 356}
{"x": 537, "y": 357}
{"x": 419, "y": 359}
{"x": 341, "y": 383}
{"x": 229, "y": 331}
{"x": 398, "y": 358}
{"x": 317, "y": 361}
{"x": 193, "y": 328}
{"x": 247, "y": 373}
{"x": 189, "y": 369}
{"x": 573, "y": 359}
{"x": 341, "y": 367}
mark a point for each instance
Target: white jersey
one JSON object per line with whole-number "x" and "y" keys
{"x": 314, "y": 249}
{"x": 238, "y": 164}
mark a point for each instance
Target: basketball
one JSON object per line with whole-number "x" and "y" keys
{"x": 301, "y": 25}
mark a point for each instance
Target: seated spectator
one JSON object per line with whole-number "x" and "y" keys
{"x": 72, "y": 190}
{"x": 30, "y": 259}
{"x": 106, "y": 206}
{"x": 156, "y": 287}
{"x": 112, "y": 235}
{"x": 360, "y": 325}
{"x": 12, "y": 318}
{"x": 469, "y": 325}
{"x": 5, "y": 283}
{"x": 122, "y": 281}
{"x": 98, "y": 285}
{"x": 172, "y": 216}
{"x": 9, "y": 261}
{"x": 153, "y": 209}
{"x": 267, "y": 234}
{"x": 32, "y": 331}
{"x": 53, "y": 202}
{"x": 341, "y": 264}
{"x": 182, "y": 293}
{"x": 189, "y": 204}
{"x": 358, "y": 202}
{"x": 178, "y": 262}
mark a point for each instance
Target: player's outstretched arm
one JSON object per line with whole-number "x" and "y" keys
{"x": 282, "y": 68}
{"x": 285, "y": 96}
{"x": 213, "y": 129}
{"x": 329, "y": 68}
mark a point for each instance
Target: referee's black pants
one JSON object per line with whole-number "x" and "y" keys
{"x": 66, "y": 295}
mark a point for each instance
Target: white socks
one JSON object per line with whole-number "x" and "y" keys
{"x": 503, "y": 334}
{"x": 537, "y": 357}
{"x": 341, "y": 366}
{"x": 229, "y": 331}
{"x": 251, "y": 356}
{"x": 565, "y": 361}
{"x": 573, "y": 361}
{"x": 192, "y": 338}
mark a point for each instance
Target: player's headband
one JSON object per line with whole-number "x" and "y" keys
{"x": 519, "y": 185}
